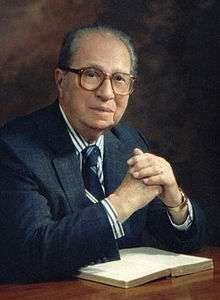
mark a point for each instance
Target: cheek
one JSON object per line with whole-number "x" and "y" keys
{"x": 74, "y": 101}
{"x": 121, "y": 107}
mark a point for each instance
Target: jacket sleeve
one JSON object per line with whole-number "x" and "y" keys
{"x": 167, "y": 237}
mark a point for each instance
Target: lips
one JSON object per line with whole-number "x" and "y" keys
{"x": 103, "y": 109}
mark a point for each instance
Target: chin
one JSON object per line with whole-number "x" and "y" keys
{"x": 102, "y": 125}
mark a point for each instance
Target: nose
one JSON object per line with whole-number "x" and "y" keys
{"x": 105, "y": 91}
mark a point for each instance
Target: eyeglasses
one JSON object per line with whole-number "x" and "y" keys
{"x": 92, "y": 78}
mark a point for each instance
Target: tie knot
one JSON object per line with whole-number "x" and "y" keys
{"x": 90, "y": 155}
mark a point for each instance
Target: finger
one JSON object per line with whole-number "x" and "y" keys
{"x": 137, "y": 151}
{"x": 154, "y": 159}
{"x": 160, "y": 179}
{"x": 137, "y": 160}
{"x": 151, "y": 158}
{"x": 141, "y": 163}
{"x": 146, "y": 172}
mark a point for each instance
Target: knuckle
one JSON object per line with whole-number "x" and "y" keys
{"x": 140, "y": 173}
{"x": 166, "y": 163}
{"x": 143, "y": 172}
{"x": 161, "y": 179}
{"x": 139, "y": 164}
{"x": 156, "y": 169}
{"x": 169, "y": 181}
{"x": 136, "y": 159}
{"x": 146, "y": 155}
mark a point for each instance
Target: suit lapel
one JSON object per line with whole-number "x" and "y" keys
{"x": 68, "y": 172}
{"x": 63, "y": 155}
{"x": 115, "y": 167}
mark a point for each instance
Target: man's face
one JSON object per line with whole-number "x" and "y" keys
{"x": 93, "y": 112}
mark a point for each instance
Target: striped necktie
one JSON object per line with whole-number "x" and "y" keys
{"x": 90, "y": 171}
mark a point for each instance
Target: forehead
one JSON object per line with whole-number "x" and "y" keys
{"x": 104, "y": 50}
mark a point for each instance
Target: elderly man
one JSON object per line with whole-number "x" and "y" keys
{"x": 76, "y": 185}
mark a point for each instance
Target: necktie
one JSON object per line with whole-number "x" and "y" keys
{"x": 90, "y": 171}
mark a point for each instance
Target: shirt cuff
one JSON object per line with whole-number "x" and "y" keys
{"x": 186, "y": 225}
{"x": 117, "y": 228}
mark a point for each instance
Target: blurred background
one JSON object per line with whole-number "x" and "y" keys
{"x": 175, "y": 103}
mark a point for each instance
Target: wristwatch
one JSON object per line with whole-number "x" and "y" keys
{"x": 182, "y": 204}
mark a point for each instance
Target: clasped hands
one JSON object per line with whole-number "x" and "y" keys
{"x": 148, "y": 176}
{"x": 153, "y": 170}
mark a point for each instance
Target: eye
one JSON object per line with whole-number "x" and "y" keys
{"x": 119, "y": 77}
{"x": 91, "y": 73}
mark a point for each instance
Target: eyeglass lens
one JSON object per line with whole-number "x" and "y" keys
{"x": 92, "y": 78}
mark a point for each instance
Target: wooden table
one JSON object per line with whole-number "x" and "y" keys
{"x": 204, "y": 285}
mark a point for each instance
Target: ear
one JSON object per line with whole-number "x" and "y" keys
{"x": 58, "y": 79}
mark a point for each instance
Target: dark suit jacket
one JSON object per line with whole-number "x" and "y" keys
{"x": 47, "y": 227}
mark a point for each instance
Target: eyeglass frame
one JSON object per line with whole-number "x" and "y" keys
{"x": 106, "y": 76}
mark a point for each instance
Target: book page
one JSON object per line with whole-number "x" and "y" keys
{"x": 179, "y": 264}
{"x": 124, "y": 269}
{"x": 156, "y": 257}
{"x": 143, "y": 264}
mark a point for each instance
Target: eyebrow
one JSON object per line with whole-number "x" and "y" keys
{"x": 97, "y": 66}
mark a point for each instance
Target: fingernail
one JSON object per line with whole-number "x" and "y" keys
{"x": 145, "y": 180}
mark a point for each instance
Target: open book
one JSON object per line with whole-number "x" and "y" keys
{"x": 140, "y": 265}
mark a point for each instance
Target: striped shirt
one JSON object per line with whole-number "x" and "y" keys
{"x": 80, "y": 143}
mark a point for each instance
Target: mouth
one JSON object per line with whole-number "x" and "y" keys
{"x": 102, "y": 109}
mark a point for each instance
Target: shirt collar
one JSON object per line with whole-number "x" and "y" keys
{"x": 79, "y": 142}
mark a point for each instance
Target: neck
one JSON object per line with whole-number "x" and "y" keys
{"x": 91, "y": 135}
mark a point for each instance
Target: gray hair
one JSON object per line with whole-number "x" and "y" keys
{"x": 72, "y": 39}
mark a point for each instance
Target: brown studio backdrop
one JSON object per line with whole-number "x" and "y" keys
{"x": 175, "y": 103}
